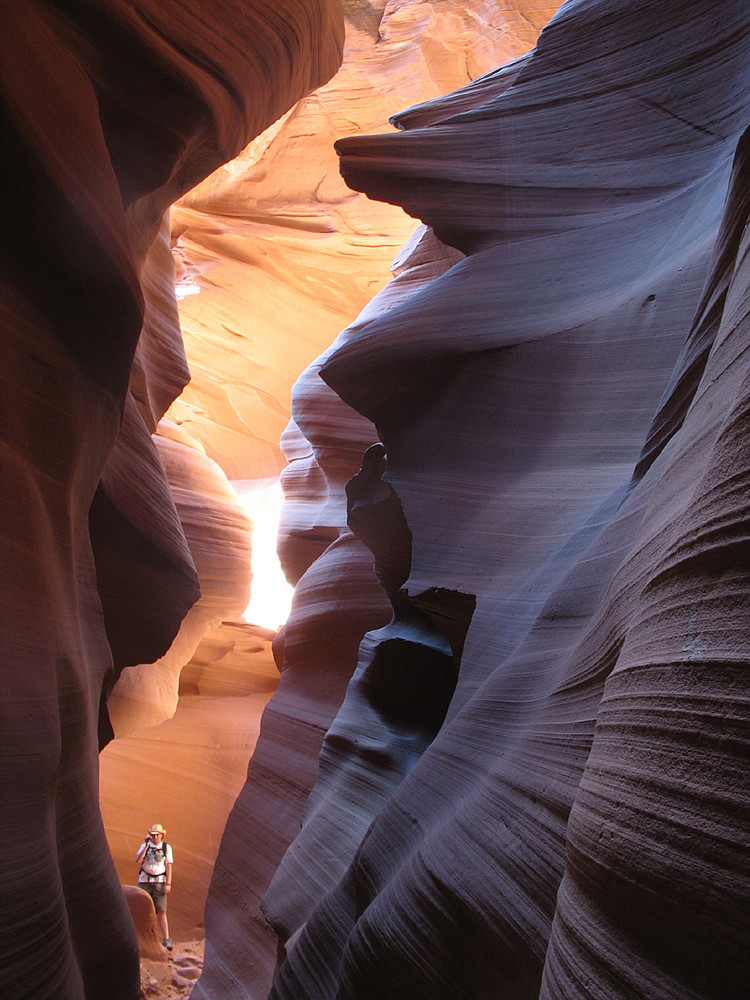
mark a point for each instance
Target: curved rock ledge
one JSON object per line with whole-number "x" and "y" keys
{"x": 404, "y": 46}
{"x": 109, "y": 111}
{"x": 564, "y": 418}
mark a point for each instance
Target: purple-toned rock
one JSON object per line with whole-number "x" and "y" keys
{"x": 109, "y": 111}
{"x": 564, "y": 472}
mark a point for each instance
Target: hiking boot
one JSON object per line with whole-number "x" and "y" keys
{"x": 167, "y": 942}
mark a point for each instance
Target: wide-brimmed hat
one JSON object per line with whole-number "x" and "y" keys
{"x": 158, "y": 828}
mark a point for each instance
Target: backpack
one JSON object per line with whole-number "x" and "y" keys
{"x": 155, "y": 859}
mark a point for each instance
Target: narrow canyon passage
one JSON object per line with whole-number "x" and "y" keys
{"x": 273, "y": 257}
{"x": 468, "y": 282}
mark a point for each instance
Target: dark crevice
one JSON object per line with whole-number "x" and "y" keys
{"x": 412, "y": 672}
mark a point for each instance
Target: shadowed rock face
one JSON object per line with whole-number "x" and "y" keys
{"x": 534, "y": 784}
{"x": 302, "y": 224}
{"x": 563, "y": 406}
{"x": 109, "y": 111}
{"x": 275, "y": 235}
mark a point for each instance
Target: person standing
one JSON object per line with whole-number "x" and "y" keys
{"x": 155, "y": 876}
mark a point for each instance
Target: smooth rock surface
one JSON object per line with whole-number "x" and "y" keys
{"x": 146, "y": 924}
{"x": 276, "y": 235}
{"x": 564, "y": 414}
{"x": 507, "y": 757}
{"x": 217, "y": 533}
{"x": 407, "y": 49}
{"x": 109, "y": 112}
{"x": 187, "y": 771}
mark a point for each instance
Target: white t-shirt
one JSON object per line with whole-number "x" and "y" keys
{"x": 155, "y": 861}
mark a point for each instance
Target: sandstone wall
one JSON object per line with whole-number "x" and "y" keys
{"x": 276, "y": 255}
{"x": 507, "y": 755}
{"x": 310, "y": 246}
{"x": 535, "y": 784}
{"x": 110, "y": 111}
{"x": 187, "y": 771}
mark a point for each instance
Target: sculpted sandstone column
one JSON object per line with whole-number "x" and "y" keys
{"x": 563, "y": 415}
{"x": 396, "y": 53}
{"x": 109, "y": 111}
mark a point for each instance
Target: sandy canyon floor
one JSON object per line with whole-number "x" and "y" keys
{"x": 176, "y": 977}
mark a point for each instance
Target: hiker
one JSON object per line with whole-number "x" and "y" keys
{"x": 155, "y": 876}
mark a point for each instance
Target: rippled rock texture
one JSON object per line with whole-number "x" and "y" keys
{"x": 110, "y": 111}
{"x": 276, "y": 255}
{"x": 314, "y": 245}
{"x": 536, "y": 782}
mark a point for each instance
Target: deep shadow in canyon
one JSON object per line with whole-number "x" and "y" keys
{"x": 506, "y": 752}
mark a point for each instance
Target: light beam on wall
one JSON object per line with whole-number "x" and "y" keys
{"x": 271, "y": 594}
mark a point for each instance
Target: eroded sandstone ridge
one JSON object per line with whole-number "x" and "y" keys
{"x": 536, "y": 783}
{"x": 274, "y": 234}
{"x": 110, "y": 111}
{"x": 276, "y": 255}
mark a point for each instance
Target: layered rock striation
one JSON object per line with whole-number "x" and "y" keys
{"x": 535, "y": 785}
{"x": 508, "y": 752}
{"x": 329, "y": 247}
{"x": 276, "y": 235}
{"x": 109, "y": 111}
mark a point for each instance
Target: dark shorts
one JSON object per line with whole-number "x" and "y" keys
{"x": 156, "y": 892}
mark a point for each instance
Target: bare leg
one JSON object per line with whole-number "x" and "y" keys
{"x": 164, "y": 925}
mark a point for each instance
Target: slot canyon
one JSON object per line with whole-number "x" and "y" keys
{"x": 468, "y": 281}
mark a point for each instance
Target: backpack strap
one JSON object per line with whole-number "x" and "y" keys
{"x": 152, "y": 847}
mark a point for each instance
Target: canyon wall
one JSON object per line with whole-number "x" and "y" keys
{"x": 274, "y": 255}
{"x": 532, "y": 773}
{"x": 507, "y": 756}
{"x": 187, "y": 771}
{"x": 273, "y": 235}
{"x": 110, "y": 111}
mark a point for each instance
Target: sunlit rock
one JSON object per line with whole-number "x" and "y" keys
{"x": 601, "y": 674}
{"x": 276, "y": 235}
{"x": 338, "y": 598}
{"x": 507, "y": 755}
{"x": 196, "y": 763}
{"x": 218, "y": 534}
{"x": 146, "y": 925}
